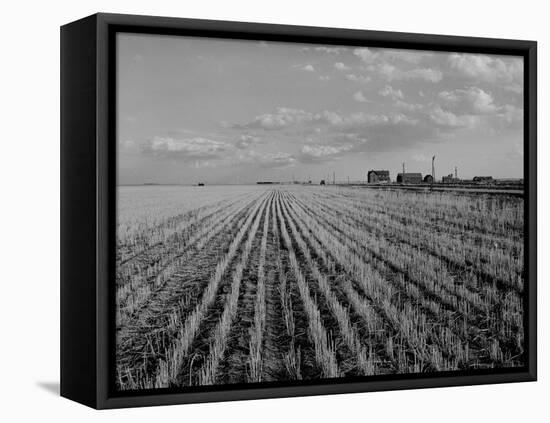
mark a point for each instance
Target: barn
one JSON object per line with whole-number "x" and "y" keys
{"x": 409, "y": 178}
{"x": 428, "y": 179}
{"x": 374, "y": 176}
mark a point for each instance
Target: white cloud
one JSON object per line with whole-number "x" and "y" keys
{"x": 324, "y": 150}
{"x": 368, "y": 119}
{"x": 397, "y": 96}
{"x": 246, "y": 141}
{"x": 324, "y": 78}
{"x": 448, "y": 96}
{"x": 371, "y": 55}
{"x": 482, "y": 102}
{"x": 410, "y": 107}
{"x": 341, "y": 66}
{"x": 389, "y": 91}
{"x": 321, "y": 153}
{"x": 191, "y": 148}
{"x": 489, "y": 68}
{"x": 472, "y": 99}
{"x": 308, "y": 68}
{"x": 332, "y": 118}
{"x": 366, "y": 55}
{"x": 361, "y": 118}
{"x": 326, "y": 132}
{"x": 409, "y": 56}
{"x": 283, "y": 117}
{"x": 427, "y": 74}
{"x": 363, "y": 79}
{"x": 449, "y": 119}
{"x": 398, "y": 64}
{"x": 358, "y": 96}
{"x": 392, "y": 72}
{"x": 331, "y": 50}
{"x": 402, "y": 118}
{"x": 480, "y": 107}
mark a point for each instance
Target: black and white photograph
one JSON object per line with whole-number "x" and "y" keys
{"x": 292, "y": 212}
{"x": 295, "y": 211}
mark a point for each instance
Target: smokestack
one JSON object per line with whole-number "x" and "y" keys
{"x": 433, "y": 168}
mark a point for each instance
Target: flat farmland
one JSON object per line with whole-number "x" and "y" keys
{"x": 233, "y": 284}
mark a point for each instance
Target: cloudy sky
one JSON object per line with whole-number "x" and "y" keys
{"x": 229, "y": 111}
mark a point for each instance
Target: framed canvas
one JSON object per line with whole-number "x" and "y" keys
{"x": 258, "y": 211}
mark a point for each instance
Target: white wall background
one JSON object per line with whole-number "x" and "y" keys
{"x": 29, "y": 171}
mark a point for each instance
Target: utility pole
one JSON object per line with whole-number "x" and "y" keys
{"x": 403, "y": 169}
{"x": 333, "y": 178}
{"x": 433, "y": 168}
{"x": 456, "y": 172}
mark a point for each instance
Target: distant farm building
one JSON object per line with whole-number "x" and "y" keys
{"x": 409, "y": 178}
{"x": 483, "y": 179}
{"x": 375, "y": 176}
{"x": 201, "y": 184}
{"x": 428, "y": 179}
{"x": 450, "y": 179}
{"x": 322, "y": 182}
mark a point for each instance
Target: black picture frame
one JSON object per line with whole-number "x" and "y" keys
{"x": 88, "y": 167}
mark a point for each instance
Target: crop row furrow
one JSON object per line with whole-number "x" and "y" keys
{"x": 433, "y": 276}
{"x": 324, "y": 351}
{"x": 460, "y": 211}
{"x": 489, "y": 299}
{"x": 169, "y": 368}
{"x": 256, "y": 344}
{"x": 413, "y": 316}
{"x": 485, "y": 260}
{"x": 364, "y": 357}
{"x": 378, "y": 330}
{"x": 426, "y": 285}
{"x": 207, "y": 373}
{"x": 134, "y": 296}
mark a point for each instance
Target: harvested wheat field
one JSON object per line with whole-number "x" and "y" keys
{"x": 233, "y": 284}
